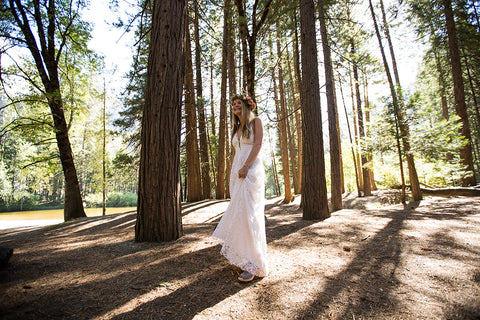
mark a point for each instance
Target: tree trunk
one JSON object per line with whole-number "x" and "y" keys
{"x": 282, "y": 127}
{"x": 452, "y": 192}
{"x": 243, "y": 31}
{"x": 249, "y": 41}
{"x": 472, "y": 91}
{"x": 335, "y": 164}
{"x": 159, "y": 213}
{"x": 298, "y": 104}
{"x": 73, "y": 207}
{"x": 357, "y": 178}
{"x": 459, "y": 93}
{"x": 274, "y": 166}
{"x": 205, "y": 166}
{"x": 222, "y": 128}
{"x": 212, "y": 108}
{"x": 291, "y": 135}
{"x": 404, "y": 127}
{"x": 278, "y": 112}
{"x": 212, "y": 122}
{"x": 373, "y": 186}
{"x": 194, "y": 183}
{"x": 232, "y": 87}
{"x": 399, "y": 123}
{"x": 441, "y": 82}
{"x": 314, "y": 189}
{"x": 475, "y": 106}
{"x": 367, "y": 189}
{"x": 367, "y": 132}
{"x": 355, "y": 131}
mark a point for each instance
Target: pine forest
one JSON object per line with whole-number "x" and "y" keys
{"x": 388, "y": 120}
{"x": 368, "y": 117}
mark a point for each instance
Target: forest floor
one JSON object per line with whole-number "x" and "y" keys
{"x": 377, "y": 259}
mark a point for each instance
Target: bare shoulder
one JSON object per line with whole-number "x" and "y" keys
{"x": 257, "y": 121}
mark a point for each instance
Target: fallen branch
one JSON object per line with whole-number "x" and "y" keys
{"x": 452, "y": 192}
{"x": 426, "y": 185}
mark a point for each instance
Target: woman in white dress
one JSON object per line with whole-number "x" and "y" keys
{"x": 242, "y": 227}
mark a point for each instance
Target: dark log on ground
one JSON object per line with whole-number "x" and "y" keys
{"x": 5, "y": 254}
{"x": 452, "y": 192}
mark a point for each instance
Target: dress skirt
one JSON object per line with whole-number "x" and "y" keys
{"x": 241, "y": 231}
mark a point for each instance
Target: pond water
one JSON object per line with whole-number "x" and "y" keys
{"x": 47, "y": 217}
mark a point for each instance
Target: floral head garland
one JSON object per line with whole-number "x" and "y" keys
{"x": 246, "y": 99}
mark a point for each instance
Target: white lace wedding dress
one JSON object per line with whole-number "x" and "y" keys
{"x": 242, "y": 227}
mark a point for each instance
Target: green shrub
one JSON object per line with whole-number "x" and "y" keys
{"x": 93, "y": 200}
{"x": 24, "y": 201}
{"x": 122, "y": 200}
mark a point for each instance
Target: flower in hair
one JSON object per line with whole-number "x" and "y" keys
{"x": 252, "y": 105}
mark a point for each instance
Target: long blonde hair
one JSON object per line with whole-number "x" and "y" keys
{"x": 247, "y": 117}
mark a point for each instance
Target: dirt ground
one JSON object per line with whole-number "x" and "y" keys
{"x": 374, "y": 260}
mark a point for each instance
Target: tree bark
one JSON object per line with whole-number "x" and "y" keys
{"x": 159, "y": 212}
{"x": 292, "y": 142}
{"x": 282, "y": 126}
{"x": 367, "y": 189}
{"x": 232, "y": 87}
{"x": 335, "y": 163}
{"x": 459, "y": 94}
{"x": 373, "y": 186}
{"x": 452, "y": 192}
{"x": 314, "y": 189}
{"x": 204, "y": 164}
{"x": 222, "y": 128}
{"x": 194, "y": 183}
{"x": 473, "y": 93}
{"x": 357, "y": 161}
{"x": 274, "y": 167}
{"x": 298, "y": 104}
{"x": 213, "y": 160}
{"x": 357, "y": 178}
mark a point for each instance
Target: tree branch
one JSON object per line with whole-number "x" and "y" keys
{"x": 25, "y": 75}
{"x": 41, "y": 32}
{"x": 45, "y": 159}
{"x": 29, "y": 37}
{"x": 263, "y": 18}
{"x": 66, "y": 32}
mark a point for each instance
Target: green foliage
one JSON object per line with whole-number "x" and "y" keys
{"x": 387, "y": 172}
{"x": 5, "y": 187}
{"x": 24, "y": 201}
{"x": 122, "y": 200}
{"x": 115, "y": 199}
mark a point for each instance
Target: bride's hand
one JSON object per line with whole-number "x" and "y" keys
{"x": 242, "y": 173}
{"x": 252, "y": 103}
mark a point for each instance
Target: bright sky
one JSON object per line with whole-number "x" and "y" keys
{"x": 115, "y": 45}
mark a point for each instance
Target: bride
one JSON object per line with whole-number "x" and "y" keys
{"x": 242, "y": 227}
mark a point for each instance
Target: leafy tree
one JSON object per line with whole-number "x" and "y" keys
{"x": 58, "y": 29}
{"x": 429, "y": 19}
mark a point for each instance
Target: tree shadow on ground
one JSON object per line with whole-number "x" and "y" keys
{"x": 368, "y": 279}
{"x": 193, "y": 206}
{"x": 86, "y": 269}
{"x": 92, "y": 269}
{"x": 371, "y": 278}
